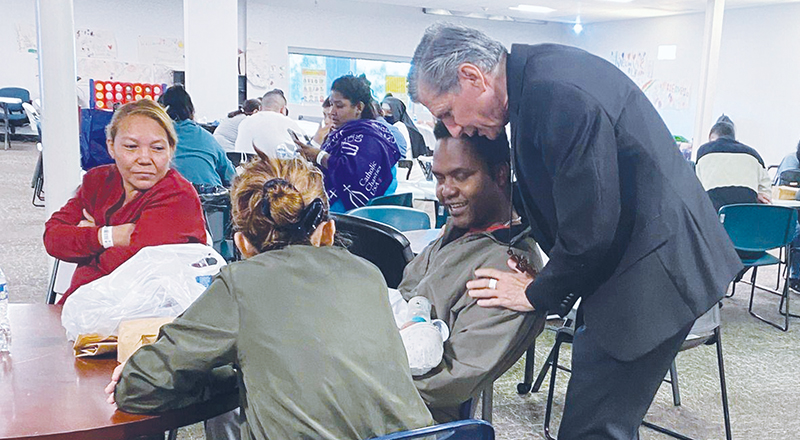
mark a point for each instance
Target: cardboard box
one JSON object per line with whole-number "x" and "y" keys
{"x": 137, "y": 332}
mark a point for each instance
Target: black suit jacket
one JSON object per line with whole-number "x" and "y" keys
{"x": 620, "y": 213}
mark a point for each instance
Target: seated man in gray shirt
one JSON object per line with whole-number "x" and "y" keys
{"x": 472, "y": 176}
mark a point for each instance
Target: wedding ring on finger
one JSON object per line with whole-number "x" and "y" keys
{"x": 493, "y": 283}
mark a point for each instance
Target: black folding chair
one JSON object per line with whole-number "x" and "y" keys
{"x": 706, "y": 331}
{"x": 381, "y": 244}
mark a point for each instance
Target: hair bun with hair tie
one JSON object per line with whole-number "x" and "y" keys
{"x": 269, "y": 185}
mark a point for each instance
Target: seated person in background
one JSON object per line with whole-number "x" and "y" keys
{"x": 360, "y": 153}
{"x": 267, "y": 130}
{"x": 305, "y": 323}
{"x": 394, "y": 111}
{"x": 400, "y": 139}
{"x": 792, "y": 163}
{"x": 731, "y": 172}
{"x": 228, "y": 128}
{"x": 120, "y": 208}
{"x": 198, "y": 157}
{"x": 324, "y": 126}
{"x": 472, "y": 182}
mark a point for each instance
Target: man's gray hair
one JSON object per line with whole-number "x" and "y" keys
{"x": 443, "y": 48}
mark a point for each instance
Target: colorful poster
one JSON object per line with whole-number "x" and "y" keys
{"x": 95, "y": 44}
{"x": 396, "y": 85}
{"x": 314, "y": 86}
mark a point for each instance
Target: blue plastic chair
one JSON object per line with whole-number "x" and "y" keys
{"x": 399, "y": 217}
{"x": 755, "y": 229}
{"x": 403, "y": 199}
{"x": 460, "y": 430}
{"x": 16, "y": 114}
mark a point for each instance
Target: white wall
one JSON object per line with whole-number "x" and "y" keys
{"x": 759, "y": 78}
{"x": 362, "y": 28}
{"x": 759, "y": 66}
{"x": 20, "y": 69}
{"x": 212, "y": 36}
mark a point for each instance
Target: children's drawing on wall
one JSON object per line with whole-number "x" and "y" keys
{"x": 667, "y": 95}
{"x": 92, "y": 68}
{"x": 635, "y": 64}
{"x": 258, "y": 68}
{"x": 90, "y": 43}
{"x": 162, "y": 51}
{"x": 26, "y": 38}
{"x": 111, "y": 70}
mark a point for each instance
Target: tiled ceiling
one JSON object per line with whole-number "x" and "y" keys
{"x": 566, "y": 11}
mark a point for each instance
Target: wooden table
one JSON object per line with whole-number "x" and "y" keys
{"x": 421, "y": 237}
{"x": 4, "y": 102}
{"x": 45, "y": 393}
{"x": 787, "y": 203}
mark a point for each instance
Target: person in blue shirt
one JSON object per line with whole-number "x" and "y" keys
{"x": 198, "y": 156}
{"x": 792, "y": 163}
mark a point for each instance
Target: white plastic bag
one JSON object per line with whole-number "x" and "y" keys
{"x": 157, "y": 281}
{"x": 424, "y": 343}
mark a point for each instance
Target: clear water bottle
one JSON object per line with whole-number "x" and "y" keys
{"x": 419, "y": 309}
{"x": 5, "y": 326}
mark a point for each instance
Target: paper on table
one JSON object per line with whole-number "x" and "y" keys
{"x": 136, "y": 333}
{"x": 94, "y": 345}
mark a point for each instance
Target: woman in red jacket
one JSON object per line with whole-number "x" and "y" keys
{"x": 137, "y": 201}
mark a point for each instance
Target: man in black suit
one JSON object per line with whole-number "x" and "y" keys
{"x": 624, "y": 221}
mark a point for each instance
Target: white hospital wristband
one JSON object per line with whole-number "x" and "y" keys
{"x": 321, "y": 155}
{"x": 107, "y": 236}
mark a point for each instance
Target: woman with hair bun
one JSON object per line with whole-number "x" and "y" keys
{"x": 359, "y": 155}
{"x": 305, "y": 324}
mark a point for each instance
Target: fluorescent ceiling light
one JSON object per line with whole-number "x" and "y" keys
{"x": 534, "y": 9}
{"x": 479, "y": 15}
{"x": 436, "y": 11}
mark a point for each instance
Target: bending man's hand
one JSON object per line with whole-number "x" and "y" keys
{"x": 113, "y": 384}
{"x": 496, "y": 288}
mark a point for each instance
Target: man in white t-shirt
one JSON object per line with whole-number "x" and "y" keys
{"x": 268, "y": 129}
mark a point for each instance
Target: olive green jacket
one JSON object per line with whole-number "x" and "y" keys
{"x": 484, "y": 342}
{"x": 312, "y": 336}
